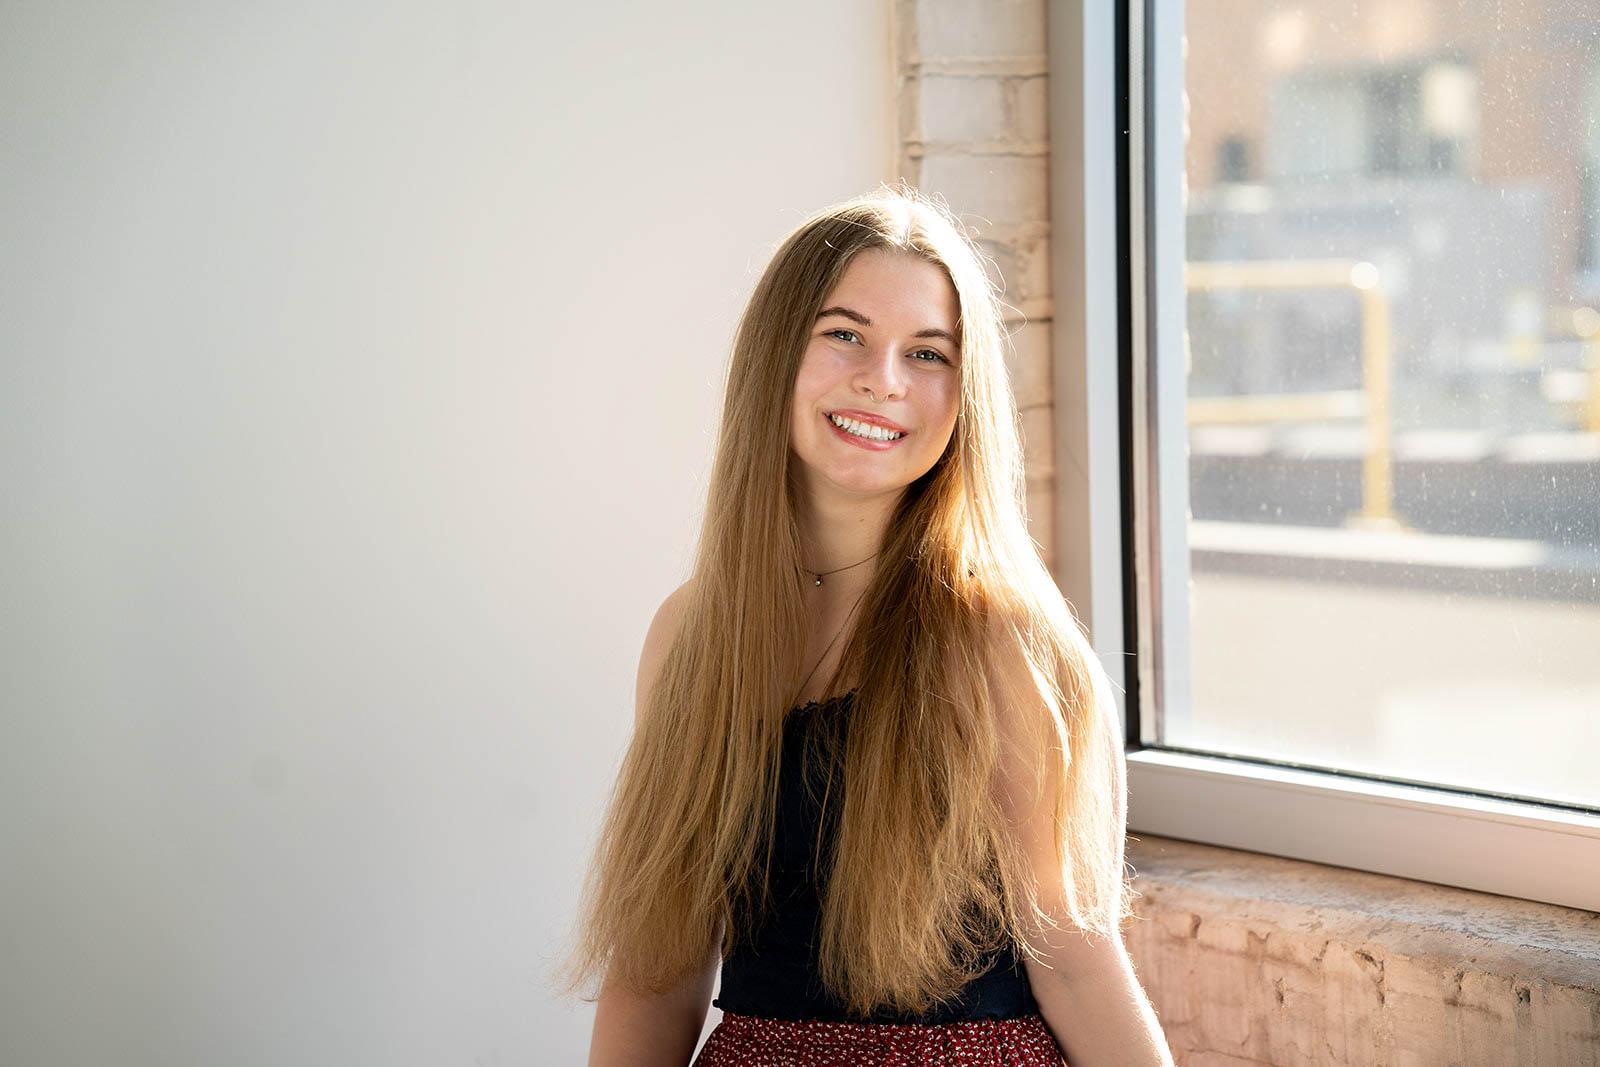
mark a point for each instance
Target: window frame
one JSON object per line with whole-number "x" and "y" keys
{"x": 1116, "y": 129}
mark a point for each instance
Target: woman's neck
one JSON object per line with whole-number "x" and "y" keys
{"x": 836, "y": 533}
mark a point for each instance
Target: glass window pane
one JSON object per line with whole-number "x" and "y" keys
{"x": 1393, "y": 317}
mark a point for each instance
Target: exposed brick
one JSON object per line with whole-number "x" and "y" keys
{"x": 903, "y": 34}
{"x": 1019, "y": 261}
{"x": 1038, "y": 443}
{"x": 1000, "y": 262}
{"x": 1032, "y": 254}
{"x": 963, "y": 109}
{"x": 1177, "y": 924}
{"x": 1028, "y": 360}
{"x": 1209, "y": 1058}
{"x": 1258, "y": 960}
{"x": 908, "y": 110}
{"x": 1231, "y": 938}
{"x": 1029, "y": 116}
{"x": 998, "y": 190}
{"x": 1041, "y": 500}
{"x": 1004, "y": 147}
{"x": 999, "y": 66}
{"x": 1353, "y": 999}
{"x": 971, "y": 129}
{"x": 1034, "y": 309}
{"x": 952, "y": 28}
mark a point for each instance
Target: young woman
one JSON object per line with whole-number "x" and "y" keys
{"x": 875, "y": 770}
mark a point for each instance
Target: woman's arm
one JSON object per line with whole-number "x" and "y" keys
{"x": 1093, "y": 1004}
{"x": 631, "y": 1028}
{"x": 641, "y": 1030}
{"x": 1087, "y": 991}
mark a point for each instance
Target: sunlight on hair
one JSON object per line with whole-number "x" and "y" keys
{"x": 927, "y": 877}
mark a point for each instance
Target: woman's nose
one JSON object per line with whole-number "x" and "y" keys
{"x": 880, "y": 376}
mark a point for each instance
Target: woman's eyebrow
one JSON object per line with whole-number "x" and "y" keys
{"x": 856, "y": 316}
{"x": 849, "y": 313}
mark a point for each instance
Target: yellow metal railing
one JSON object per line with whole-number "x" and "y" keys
{"x": 1371, "y": 401}
{"x": 1586, "y": 324}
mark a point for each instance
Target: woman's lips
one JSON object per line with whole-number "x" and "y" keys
{"x": 862, "y": 442}
{"x": 870, "y": 419}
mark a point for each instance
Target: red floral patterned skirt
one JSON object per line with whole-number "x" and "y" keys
{"x": 750, "y": 1041}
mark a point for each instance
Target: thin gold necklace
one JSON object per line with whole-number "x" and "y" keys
{"x": 835, "y": 640}
{"x": 819, "y": 575}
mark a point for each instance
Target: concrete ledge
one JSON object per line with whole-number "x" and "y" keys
{"x": 1256, "y": 959}
{"x": 1481, "y": 566}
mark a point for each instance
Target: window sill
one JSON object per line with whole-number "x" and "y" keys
{"x": 1526, "y": 851}
{"x": 1255, "y": 958}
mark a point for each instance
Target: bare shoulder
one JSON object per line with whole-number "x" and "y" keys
{"x": 1010, "y": 675}
{"x": 1014, "y": 676}
{"x": 1036, "y": 711}
{"x": 1015, "y": 686}
{"x": 658, "y": 639}
{"x": 1022, "y": 718}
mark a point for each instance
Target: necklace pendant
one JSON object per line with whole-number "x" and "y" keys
{"x": 819, "y": 579}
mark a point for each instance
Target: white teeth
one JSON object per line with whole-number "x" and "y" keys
{"x": 861, "y": 429}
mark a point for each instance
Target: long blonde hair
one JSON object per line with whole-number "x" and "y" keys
{"x": 927, "y": 877}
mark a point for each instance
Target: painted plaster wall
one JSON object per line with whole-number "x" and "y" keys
{"x": 360, "y": 364}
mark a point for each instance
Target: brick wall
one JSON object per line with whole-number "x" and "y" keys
{"x": 973, "y": 128}
{"x": 1253, "y": 959}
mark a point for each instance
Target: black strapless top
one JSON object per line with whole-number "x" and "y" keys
{"x": 777, "y": 974}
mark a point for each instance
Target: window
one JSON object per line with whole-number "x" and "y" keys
{"x": 1588, "y": 256}
{"x": 1330, "y": 120}
{"x": 1359, "y": 438}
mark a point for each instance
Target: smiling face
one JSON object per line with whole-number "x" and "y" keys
{"x": 879, "y": 384}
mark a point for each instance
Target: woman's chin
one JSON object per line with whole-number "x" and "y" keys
{"x": 863, "y": 490}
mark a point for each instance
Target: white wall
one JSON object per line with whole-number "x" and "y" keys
{"x": 359, "y": 364}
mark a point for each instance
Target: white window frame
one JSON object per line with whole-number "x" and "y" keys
{"x": 1526, "y": 850}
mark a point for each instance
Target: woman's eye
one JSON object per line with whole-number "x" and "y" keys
{"x": 844, "y": 335}
{"x": 928, "y": 355}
